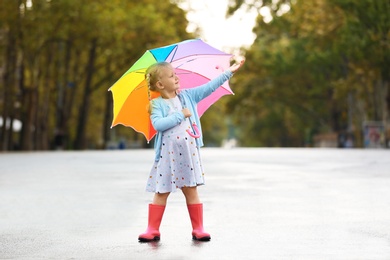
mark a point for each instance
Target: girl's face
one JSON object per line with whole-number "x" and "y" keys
{"x": 168, "y": 81}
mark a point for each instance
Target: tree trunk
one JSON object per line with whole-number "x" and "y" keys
{"x": 70, "y": 98}
{"x": 60, "y": 97}
{"x": 108, "y": 113}
{"x": 386, "y": 114}
{"x": 9, "y": 83}
{"x": 107, "y": 119}
{"x": 31, "y": 95}
{"x": 43, "y": 141}
{"x": 29, "y": 103}
{"x": 80, "y": 142}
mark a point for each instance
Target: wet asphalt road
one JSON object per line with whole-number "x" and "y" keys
{"x": 259, "y": 204}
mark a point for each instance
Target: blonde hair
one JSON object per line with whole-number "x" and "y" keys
{"x": 152, "y": 75}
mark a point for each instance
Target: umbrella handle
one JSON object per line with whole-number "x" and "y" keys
{"x": 196, "y": 133}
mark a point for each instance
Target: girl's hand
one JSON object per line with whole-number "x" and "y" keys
{"x": 186, "y": 112}
{"x": 236, "y": 66}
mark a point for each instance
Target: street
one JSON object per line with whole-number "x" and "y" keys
{"x": 259, "y": 203}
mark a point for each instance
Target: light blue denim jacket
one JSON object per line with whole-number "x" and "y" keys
{"x": 190, "y": 97}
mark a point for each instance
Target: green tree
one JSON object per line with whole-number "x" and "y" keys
{"x": 305, "y": 67}
{"x": 60, "y": 57}
{"x": 9, "y": 23}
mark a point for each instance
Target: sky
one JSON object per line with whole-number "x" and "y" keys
{"x": 219, "y": 32}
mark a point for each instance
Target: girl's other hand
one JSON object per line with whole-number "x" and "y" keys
{"x": 237, "y": 65}
{"x": 186, "y": 112}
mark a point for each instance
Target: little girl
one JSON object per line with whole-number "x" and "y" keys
{"x": 177, "y": 162}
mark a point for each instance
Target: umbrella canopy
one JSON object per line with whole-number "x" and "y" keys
{"x": 194, "y": 62}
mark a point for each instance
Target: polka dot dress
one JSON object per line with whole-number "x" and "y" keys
{"x": 179, "y": 165}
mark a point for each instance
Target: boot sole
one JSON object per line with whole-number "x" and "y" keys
{"x": 141, "y": 239}
{"x": 201, "y": 238}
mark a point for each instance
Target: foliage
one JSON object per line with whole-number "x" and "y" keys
{"x": 318, "y": 66}
{"x": 60, "y": 57}
{"x": 321, "y": 67}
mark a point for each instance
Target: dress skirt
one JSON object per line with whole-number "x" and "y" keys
{"x": 179, "y": 165}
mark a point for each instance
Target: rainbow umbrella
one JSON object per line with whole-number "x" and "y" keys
{"x": 195, "y": 63}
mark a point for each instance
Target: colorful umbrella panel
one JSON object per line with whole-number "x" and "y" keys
{"x": 195, "y": 63}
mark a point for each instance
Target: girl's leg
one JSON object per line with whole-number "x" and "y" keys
{"x": 156, "y": 212}
{"x": 191, "y": 194}
{"x": 160, "y": 198}
{"x": 195, "y": 209}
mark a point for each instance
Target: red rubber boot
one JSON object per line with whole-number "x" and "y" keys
{"x": 152, "y": 233}
{"x": 196, "y": 215}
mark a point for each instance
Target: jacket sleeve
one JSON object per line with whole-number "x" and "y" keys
{"x": 205, "y": 90}
{"x": 161, "y": 123}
